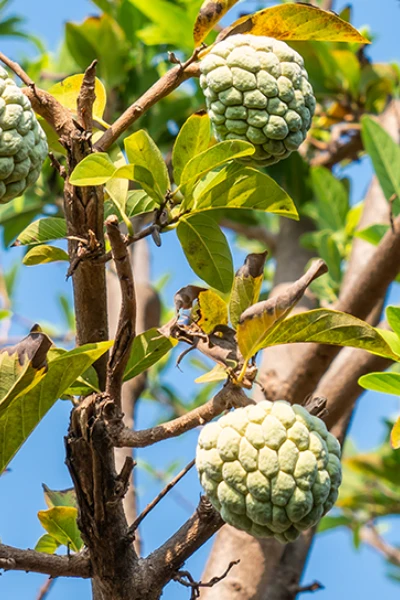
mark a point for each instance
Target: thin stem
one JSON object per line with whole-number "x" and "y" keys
{"x": 160, "y": 496}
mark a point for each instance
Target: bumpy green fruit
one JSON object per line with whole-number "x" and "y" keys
{"x": 23, "y": 145}
{"x": 257, "y": 90}
{"x": 271, "y": 469}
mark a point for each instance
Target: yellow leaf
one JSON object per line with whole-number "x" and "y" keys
{"x": 296, "y": 22}
{"x": 218, "y": 373}
{"x": 395, "y": 435}
{"x": 213, "y": 311}
{"x": 210, "y": 13}
{"x": 67, "y": 92}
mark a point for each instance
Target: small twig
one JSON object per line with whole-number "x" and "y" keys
{"x": 186, "y": 579}
{"x": 87, "y": 97}
{"x": 46, "y": 588}
{"x": 126, "y": 330}
{"x": 230, "y": 395}
{"x": 312, "y": 587}
{"x": 370, "y": 536}
{"x": 164, "y": 86}
{"x": 391, "y": 218}
{"x": 62, "y": 171}
{"x": 338, "y": 150}
{"x": 159, "y": 497}
{"x": 18, "y": 70}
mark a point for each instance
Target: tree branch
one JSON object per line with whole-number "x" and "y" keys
{"x": 87, "y": 97}
{"x": 126, "y": 330}
{"x": 167, "y": 559}
{"x": 14, "y": 559}
{"x": 164, "y": 86}
{"x": 370, "y": 536}
{"x": 229, "y": 396}
{"x": 338, "y": 150}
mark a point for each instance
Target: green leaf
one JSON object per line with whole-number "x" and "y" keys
{"x": 246, "y": 286}
{"x": 329, "y": 252}
{"x": 61, "y": 523}
{"x": 332, "y": 199}
{"x": 385, "y": 383}
{"x": 193, "y": 138}
{"x": 395, "y": 435}
{"x": 173, "y": 22}
{"x": 330, "y": 327}
{"x": 296, "y": 22}
{"x": 22, "y": 408}
{"x": 141, "y": 150}
{"x": 207, "y": 251}
{"x": 59, "y": 497}
{"x": 42, "y": 230}
{"x": 210, "y": 13}
{"x": 213, "y": 311}
{"x": 67, "y": 92}
{"x": 47, "y": 543}
{"x": 95, "y": 169}
{"x": 244, "y": 188}
{"x": 372, "y": 234}
{"x": 218, "y": 373}
{"x": 393, "y": 317}
{"x": 39, "y": 255}
{"x": 330, "y": 522}
{"x": 210, "y": 159}
{"x": 385, "y": 156}
{"x": 257, "y": 321}
{"x": 138, "y": 203}
{"x": 142, "y": 176}
{"x": 147, "y": 349}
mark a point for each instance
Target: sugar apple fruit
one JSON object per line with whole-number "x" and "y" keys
{"x": 271, "y": 469}
{"x": 257, "y": 89}
{"x": 23, "y": 144}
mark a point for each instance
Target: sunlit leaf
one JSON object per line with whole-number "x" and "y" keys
{"x": 141, "y": 150}
{"x": 67, "y": 92}
{"x": 393, "y": 317}
{"x": 330, "y": 327}
{"x": 207, "y": 251}
{"x": 39, "y": 255}
{"x": 213, "y": 311}
{"x": 42, "y": 230}
{"x": 257, "y": 321}
{"x": 47, "y": 543}
{"x": 244, "y": 188}
{"x": 60, "y": 523}
{"x": 210, "y": 159}
{"x": 95, "y": 169}
{"x": 296, "y": 22}
{"x": 218, "y": 373}
{"x": 385, "y": 383}
{"x": 385, "y": 156}
{"x": 332, "y": 198}
{"x": 193, "y": 138}
{"x": 246, "y": 286}
{"x": 373, "y": 234}
{"x": 210, "y": 13}
{"x": 23, "y": 406}
{"x": 147, "y": 349}
{"x": 59, "y": 497}
{"x": 395, "y": 435}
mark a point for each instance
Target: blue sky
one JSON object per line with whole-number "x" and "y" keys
{"x": 344, "y": 572}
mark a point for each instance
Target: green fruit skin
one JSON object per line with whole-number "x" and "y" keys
{"x": 271, "y": 469}
{"x": 257, "y": 89}
{"x": 23, "y": 144}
